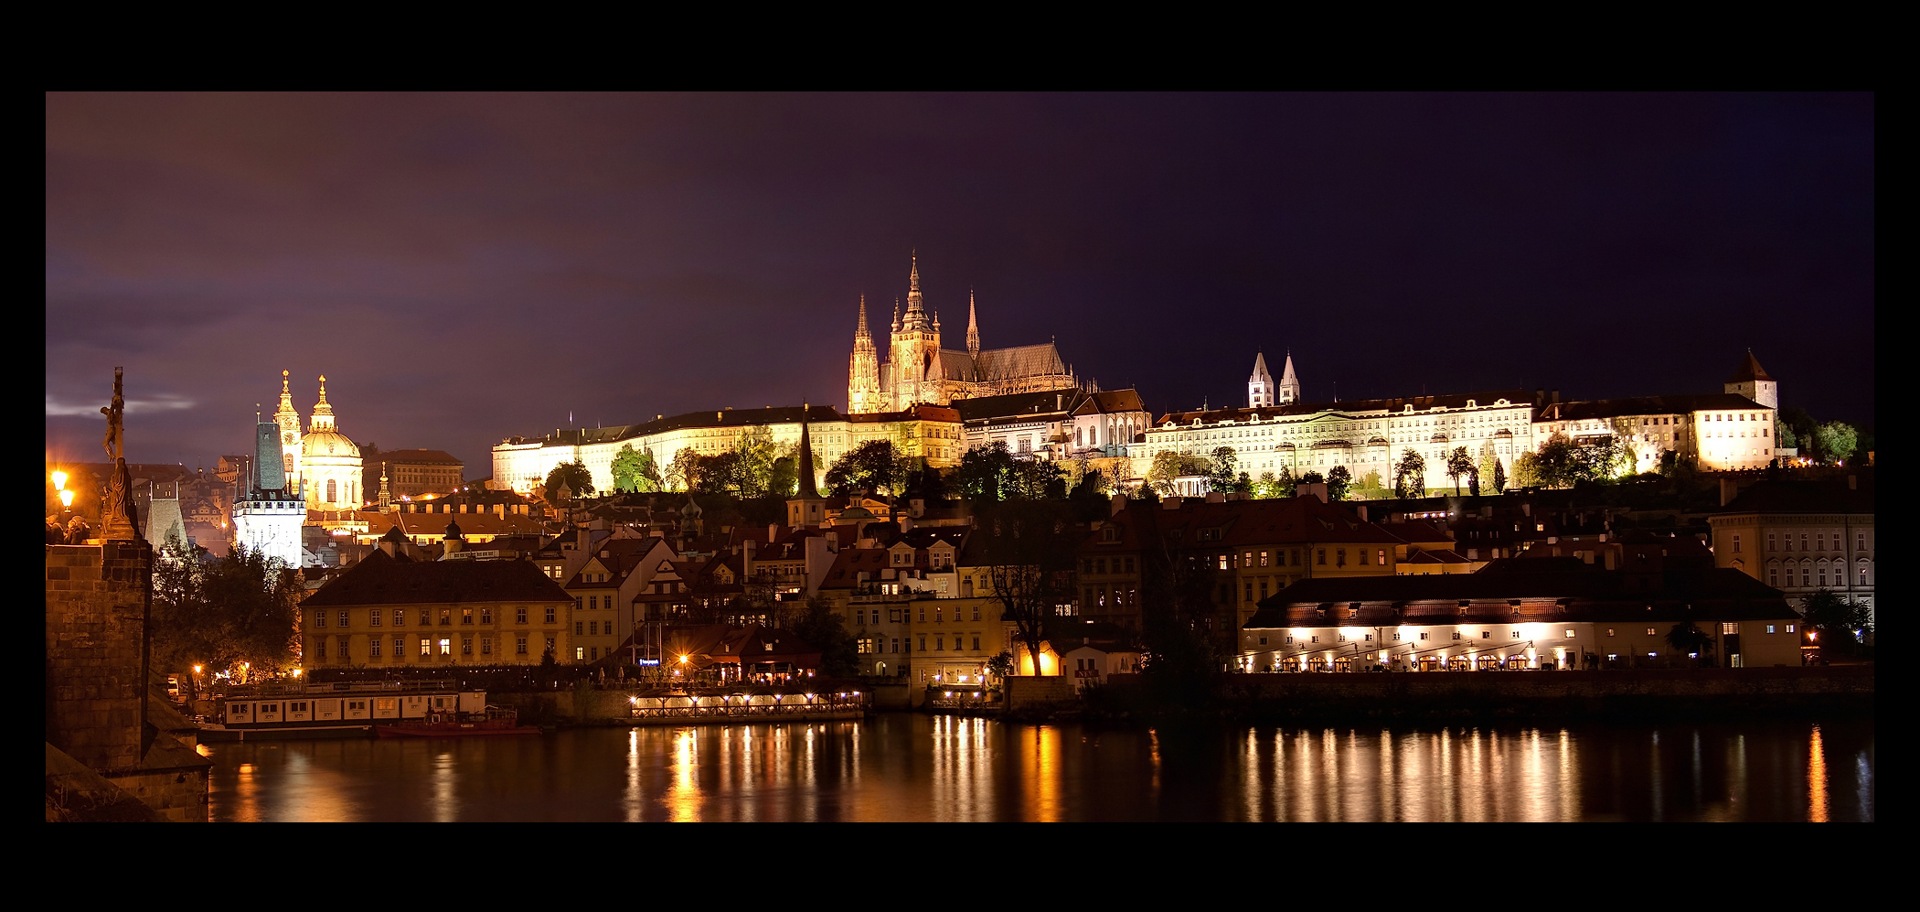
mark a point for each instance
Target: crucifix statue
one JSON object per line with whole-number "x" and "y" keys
{"x": 119, "y": 517}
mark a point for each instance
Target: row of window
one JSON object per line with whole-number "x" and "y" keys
{"x": 1778, "y": 579}
{"x": 429, "y": 647}
{"x": 427, "y": 616}
{"x": 1817, "y": 541}
{"x": 873, "y": 645}
{"x": 1727, "y": 628}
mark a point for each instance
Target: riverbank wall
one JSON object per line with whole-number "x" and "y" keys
{"x": 1466, "y": 697}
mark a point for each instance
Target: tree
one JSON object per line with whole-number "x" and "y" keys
{"x": 869, "y": 467}
{"x": 1840, "y": 624}
{"x": 754, "y": 455}
{"x": 1000, "y": 666}
{"x": 634, "y": 471}
{"x": 984, "y": 472}
{"x": 683, "y": 472}
{"x": 1687, "y": 639}
{"x": 1339, "y": 479}
{"x": 784, "y": 480}
{"x": 222, "y": 612}
{"x": 1835, "y": 441}
{"x": 1410, "y": 475}
{"x": 574, "y": 475}
{"x": 1169, "y": 465}
{"x": 1313, "y": 478}
{"x": 818, "y": 626}
{"x": 1499, "y": 477}
{"x": 1226, "y": 465}
{"x": 1029, "y": 546}
{"x": 1037, "y": 479}
{"x": 1459, "y": 463}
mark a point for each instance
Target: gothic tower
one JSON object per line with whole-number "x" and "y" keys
{"x": 1751, "y": 380}
{"x": 1260, "y": 385}
{"x": 289, "y": 422}
{"x": 973, "y": 328}
{"x": 915, "y": 349}
{"x": 1289, "y": 384}
{"x": 267, "y": 517}
{"x": 863, "y": 370}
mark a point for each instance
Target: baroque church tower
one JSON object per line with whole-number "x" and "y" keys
{"x": 289, "y": 422}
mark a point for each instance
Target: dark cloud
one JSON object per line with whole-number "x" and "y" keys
{"x": 466, "y": 267}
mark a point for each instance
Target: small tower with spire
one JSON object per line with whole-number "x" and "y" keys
{"x": 806, "y": 508}
{"x": 1289, "y": 392}
{"x": 386, "y": 497}
{"x": 1751, "y": 380}
{"x": 1260, "y": 385}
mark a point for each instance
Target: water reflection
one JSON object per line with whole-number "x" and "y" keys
{"x": 954, "y": 769}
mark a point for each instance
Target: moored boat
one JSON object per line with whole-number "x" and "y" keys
{"x": 334, "y": 710}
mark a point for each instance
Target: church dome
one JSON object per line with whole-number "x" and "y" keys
{"x": 327, "y": 442}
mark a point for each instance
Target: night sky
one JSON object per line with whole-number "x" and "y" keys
{"x": 464, "y": 268}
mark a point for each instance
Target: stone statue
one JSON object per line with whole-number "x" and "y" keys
{"x": 119, "y": 517}
{"x": 115, "y": 416}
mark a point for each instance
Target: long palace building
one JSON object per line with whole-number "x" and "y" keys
{"x": 1728, "y": 430}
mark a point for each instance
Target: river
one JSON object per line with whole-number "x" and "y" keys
{"x": 938, "y": 769}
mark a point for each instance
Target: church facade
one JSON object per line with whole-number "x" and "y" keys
{"x": 916, "y": 368}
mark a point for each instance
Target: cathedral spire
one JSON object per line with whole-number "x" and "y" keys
{"x": 916, "y": 316}
{"x": 860, "y": 332}
{"x": 973, "y": 327}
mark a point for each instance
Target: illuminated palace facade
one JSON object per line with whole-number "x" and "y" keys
{"x": 916, "y": 370}
{"x": 1726, "y": 431}
{"x": 931, "y": 432}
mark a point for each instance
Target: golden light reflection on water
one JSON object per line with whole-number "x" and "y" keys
{"x": 1038, "y": 755}
{"x": 1816, "y": 779}
{"x": 954, "y": 769}
{"x": 683, "y": 796}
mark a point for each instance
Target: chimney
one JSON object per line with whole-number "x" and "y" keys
{"x": 1216, "y": 497}
{"x": 1170, "y": 502}
{"x": 1119, "y": 503}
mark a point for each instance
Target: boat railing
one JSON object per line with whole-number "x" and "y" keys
{"x": 288, "y": 688}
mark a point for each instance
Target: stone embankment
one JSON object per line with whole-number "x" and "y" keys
{"x": 1459, "y": 697}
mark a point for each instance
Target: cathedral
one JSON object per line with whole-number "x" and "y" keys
{"x": 918, "y": 371}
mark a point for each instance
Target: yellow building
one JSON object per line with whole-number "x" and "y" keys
{"x": 390, "y": 611}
